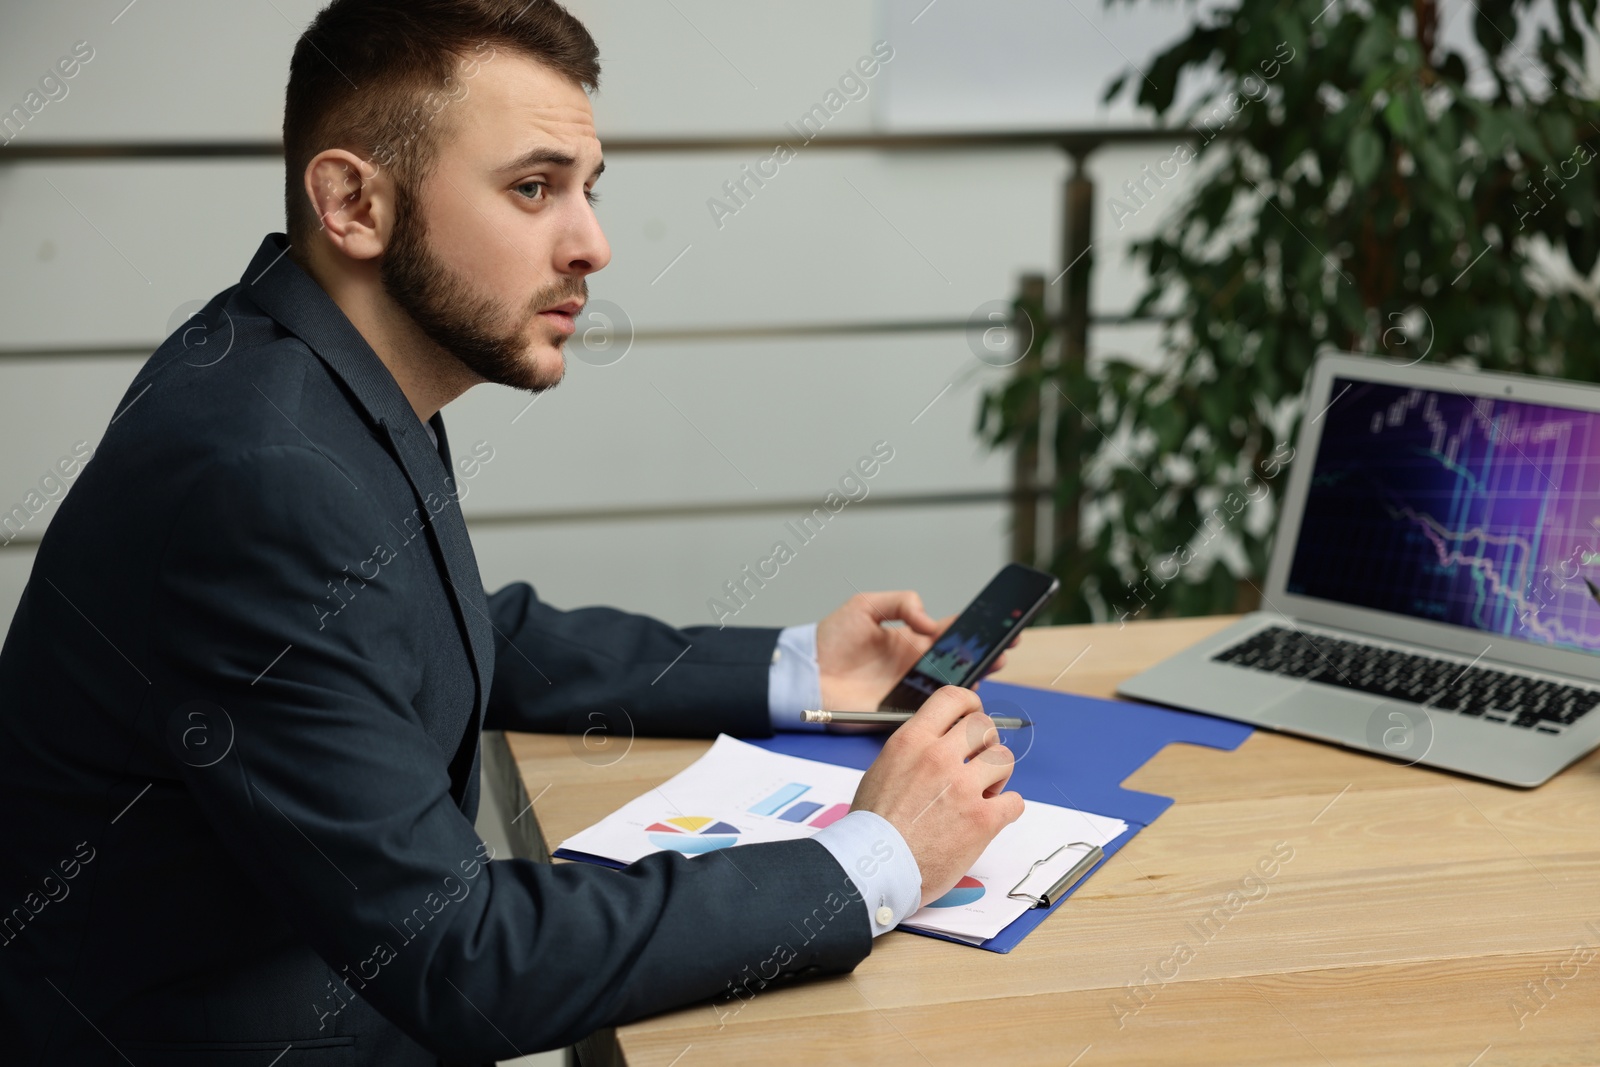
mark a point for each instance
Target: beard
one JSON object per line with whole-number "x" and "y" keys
{"x": 474, "y": 327}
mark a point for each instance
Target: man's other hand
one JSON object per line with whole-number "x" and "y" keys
{"x": 939, "y": 781}
{"x": 861, "y": 655}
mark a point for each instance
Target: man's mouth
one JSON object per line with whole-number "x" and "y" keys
{"x": 563, "y": 315}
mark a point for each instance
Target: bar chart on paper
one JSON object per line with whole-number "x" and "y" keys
{"x": 786, "y": 805}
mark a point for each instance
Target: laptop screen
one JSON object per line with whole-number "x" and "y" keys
{"x": 1474, "y": 511}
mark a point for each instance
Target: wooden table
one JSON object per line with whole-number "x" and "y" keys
{"x": 1423, "y": 917}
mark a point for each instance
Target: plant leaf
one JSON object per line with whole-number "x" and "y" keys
{"x": 1365, "y": 152}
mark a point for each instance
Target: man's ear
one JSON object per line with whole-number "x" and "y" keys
{"x": 354, "y": 202}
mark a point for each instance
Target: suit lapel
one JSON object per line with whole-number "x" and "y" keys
{"x": 429, "y": 476}
{"x": 275, "y": 283}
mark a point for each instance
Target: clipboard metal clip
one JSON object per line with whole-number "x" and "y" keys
{"x": 1093, "y": 856}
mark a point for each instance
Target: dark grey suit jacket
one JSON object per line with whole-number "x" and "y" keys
{"x": 240, "y": 705}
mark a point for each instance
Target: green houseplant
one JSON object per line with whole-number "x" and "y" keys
{"x": 1347, "y": 181}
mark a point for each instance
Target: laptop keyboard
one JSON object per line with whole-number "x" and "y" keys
{"x": 1440, "y": 685}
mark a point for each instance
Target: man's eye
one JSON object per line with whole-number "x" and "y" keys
{"x": 541, "y": 186}
{"x": 592, "y": 196}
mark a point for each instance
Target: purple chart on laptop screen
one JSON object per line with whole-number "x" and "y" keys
{"x": 1474, "y": 511}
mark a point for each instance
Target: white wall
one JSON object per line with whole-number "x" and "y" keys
{"x": 113, "y": 254}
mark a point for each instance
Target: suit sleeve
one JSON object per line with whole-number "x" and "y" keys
{"x": 564, "y": 671}
{"x": 335, "y": 801}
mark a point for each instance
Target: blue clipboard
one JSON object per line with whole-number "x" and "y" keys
{"x": 1082, "y": 750}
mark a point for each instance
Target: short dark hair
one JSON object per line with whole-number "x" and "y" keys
{"x": 363, "y": 70}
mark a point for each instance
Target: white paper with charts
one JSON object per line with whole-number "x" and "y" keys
{"x": 739, "y": 794}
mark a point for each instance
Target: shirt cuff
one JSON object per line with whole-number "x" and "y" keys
{"x": 794, "y": 682}
{"x": 879, "y": 863}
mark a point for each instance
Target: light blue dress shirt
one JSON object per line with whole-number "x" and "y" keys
{"x": 867, "y": 846}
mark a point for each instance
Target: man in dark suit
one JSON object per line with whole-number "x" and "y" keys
{"x": 241, "y": 698}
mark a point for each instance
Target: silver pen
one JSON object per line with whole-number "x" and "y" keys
{"x": 893, "y": 718}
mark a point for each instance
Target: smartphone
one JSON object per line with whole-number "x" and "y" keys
{"x": 977, "y": 637}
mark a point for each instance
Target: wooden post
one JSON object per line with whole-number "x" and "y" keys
{"x": 1025, "y": 461}
{"x": 1071, "y": 449}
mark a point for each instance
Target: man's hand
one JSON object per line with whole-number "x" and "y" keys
{"x": 861, "y": 657}
{"x": 939, "y": 781}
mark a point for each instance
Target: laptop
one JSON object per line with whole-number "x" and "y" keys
{"x": 1434, "y": 588}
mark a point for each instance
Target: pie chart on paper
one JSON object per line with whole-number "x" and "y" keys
{"x": 693, "y": 834}
{"x": 967, "y": 891}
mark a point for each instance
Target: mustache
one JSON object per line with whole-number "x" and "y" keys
{"x": 559, "y": 293}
